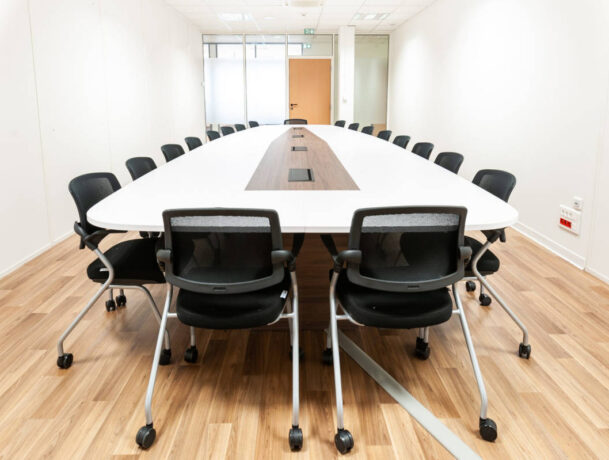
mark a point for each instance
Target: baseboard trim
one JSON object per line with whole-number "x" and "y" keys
{"x": 551, "y": 245}
{"x": 33, "y": 255}
{"x": 597, "y": 274}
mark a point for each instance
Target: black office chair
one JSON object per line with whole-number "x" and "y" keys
{"x": 127, "y": 265}
{"x": 399, "y": 266}
{"x": 193, "y": 142}
{"x": 172, "y": 151}
{"x": 139, "y": 166}
{"x": 212, "y": 135}
{"x": 239, "y": 127}
{"x": 485, "y": 262}
{"x": 233, "y": 273}
{"x": 253, "y": 124}
{"x": 354, "y": 126}
{"x": 423, "y": 149}
{"x": 450, "y": 160}
{"x": 385, "y": 135}
{"x": 401, "y": 141}
{"x": 226, "y": 130}
{"x": 295, "y": 121}
{"x": 368, "y": 129}
{"x": 340, "y": 123}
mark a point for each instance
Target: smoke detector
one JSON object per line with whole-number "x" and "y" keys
{"x": 304, "y": 3}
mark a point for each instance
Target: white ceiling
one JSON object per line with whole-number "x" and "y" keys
{"x": 274, "y": 16}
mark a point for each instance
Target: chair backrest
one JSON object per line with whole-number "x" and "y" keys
{"x": 368, "y": 129}
{"x": 423, "y": 149}
{"x": 340, "y": 123}
{"x": 88, "y": 190}
{"x": 253, "y": 124}
{"x": 401, "y": 141}
{"x": 406, "y": 249}
{"x": 193, "y": 142}
{"x": 450, "y": 160}
{"x": 139, "y": 166}
{"x": 499, "y": 183}
{"x": 226, "y": 130}
{"x": 354, "y": 126}
{"x": 222, "y": 251}
{"x": 213, "y": 135}
{"x": 295, "y": 121}
{"x": 385, "y": 135}
{"x": 172, "y": 151}
{"x": 239, "y": 127}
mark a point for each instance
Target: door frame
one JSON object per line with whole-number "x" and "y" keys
{"x": 287, "y": 86}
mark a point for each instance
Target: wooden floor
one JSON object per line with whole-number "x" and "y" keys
{"x": 235, "y": 402}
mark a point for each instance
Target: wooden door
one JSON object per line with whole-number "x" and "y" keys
{"x": 310, "y": 94}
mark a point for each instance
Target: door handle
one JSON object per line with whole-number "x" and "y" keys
{"x": 292, "y": 105}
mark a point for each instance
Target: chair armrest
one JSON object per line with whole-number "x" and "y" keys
{"x": 494, "y": 235}
{"x": 465, "y": 253}
{"x": 353, "y": 256}
{"x": 284, "y": 256}
{"x": 90, "y": 240}
{"x": 163, "y": 257}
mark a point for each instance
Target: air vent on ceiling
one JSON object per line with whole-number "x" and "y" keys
{"x": 304, "y": 3}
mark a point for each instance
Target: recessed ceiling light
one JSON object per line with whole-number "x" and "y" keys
{"x": 370, "y": 16}
{"x": 235, "y": 16}
{"x": 268, "y": 18}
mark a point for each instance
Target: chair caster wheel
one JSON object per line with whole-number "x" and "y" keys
{"x": 524, "y": 351}
{"x": 121, "y": 301}
{"x": 470, "y": 286}
{"x": 300, "y": 353}
{"x": 110, "y": 305}
{"x": 485, "y": 300}
{"x": 295, "y": 438}
{"x": 191, "y": 354}
{"x": 422, "y": 349}
{"x": 326, "y": 357}
{"x": 165, "y": 357}
{"x": 145, "y": 436}
{"x": 343, "y": 441}
{"x": 64, "y": 361}
{"x": 488, "y": 429}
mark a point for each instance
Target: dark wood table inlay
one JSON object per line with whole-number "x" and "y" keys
{"x": 274, "y": 168}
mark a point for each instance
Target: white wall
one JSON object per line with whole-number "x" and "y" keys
{"x": 519, "y": 85}
{"x": 89, "y": 85}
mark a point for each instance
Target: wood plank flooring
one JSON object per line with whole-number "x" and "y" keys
{"x": 235, "y": 402}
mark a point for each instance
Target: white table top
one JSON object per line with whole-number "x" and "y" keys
{"x": 216, "y": 174}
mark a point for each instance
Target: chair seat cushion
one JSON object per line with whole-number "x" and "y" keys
{"x": 233, "y": 311}
{"x": 134, "y": 262}
{"x": 488, "y": 263}
{"x": 397, "y": 310}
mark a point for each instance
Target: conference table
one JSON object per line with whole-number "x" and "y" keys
{"x": 315, "y": 177}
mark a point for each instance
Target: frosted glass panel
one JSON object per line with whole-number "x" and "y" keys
{"x": 266, "y": 86}
{"x": 371, "y": 61}
{"x": 224, "y": 88}
{"x": 310, "y": 45}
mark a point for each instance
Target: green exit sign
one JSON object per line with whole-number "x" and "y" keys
{"x": 309, "y": 31}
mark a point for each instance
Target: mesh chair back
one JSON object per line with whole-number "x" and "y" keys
{"x": 450, "y": 160}
{"x": 88, "y": 190}
{"x": 172, "y": 151}
{"x": 385, "y": 135}
{"x": 340, "y": 123}
{"x": 295, "y": 121}
{"x": 193, "y": 142}
{"x": 226, "y": 130}
{"x": 213, "y": 135}
{"x": 139, "y": 166}
{"x": 354, "y": 126}
{"x": 222, "y": 251}
{"x": 499, "y": 183}
{"x": 253, "y": 124}
{"x": 401, "y": 141}
{"x": 407, "y": 248}
{"x": 368, "y": 129}
{"x": 239, "y": 127}
{"x": 423, "y": 149}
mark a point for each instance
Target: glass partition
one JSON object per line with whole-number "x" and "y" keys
{"x": 224, "y": 79}
{"x": 310, "y": 45}
{"x": 266, "y": 82}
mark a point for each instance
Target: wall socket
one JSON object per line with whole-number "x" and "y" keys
{"x": 569, "y": 219}
{"x": 578, "y": 203}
